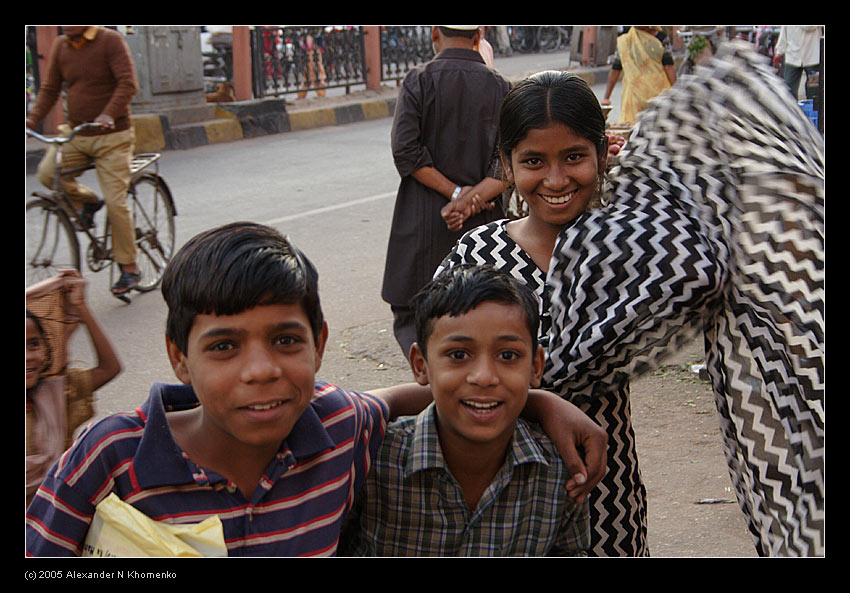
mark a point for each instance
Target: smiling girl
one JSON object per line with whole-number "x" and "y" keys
{"x": 59, "y": 399}
{"x": 553, "y": 146}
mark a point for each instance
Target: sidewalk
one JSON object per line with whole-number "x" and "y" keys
{"x": 259, "y": 117}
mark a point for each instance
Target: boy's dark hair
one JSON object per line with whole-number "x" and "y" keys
{"x": 461, "y": 288}
{"x": 234, "y": 268}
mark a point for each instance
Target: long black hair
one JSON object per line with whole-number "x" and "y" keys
{"x": 550, "y": 97}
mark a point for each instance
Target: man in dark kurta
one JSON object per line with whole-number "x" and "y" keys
{"x": 444, "y": 136}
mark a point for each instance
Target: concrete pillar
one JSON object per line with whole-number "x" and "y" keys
{"x": 588, "y": 46}
{"x": 677, "y": 41}
{"x": 372, "y": 51}
{"x": 242, "y": 68}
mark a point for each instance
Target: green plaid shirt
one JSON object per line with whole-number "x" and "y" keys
{"x": 411, "y": 505}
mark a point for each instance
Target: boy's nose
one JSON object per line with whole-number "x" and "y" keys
{"x": 483, "y": 373}
{"x": 260, "y": 366}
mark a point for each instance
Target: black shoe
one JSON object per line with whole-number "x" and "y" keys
{"x": 87, "y": 213}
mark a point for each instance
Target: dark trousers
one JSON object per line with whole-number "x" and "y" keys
{"x": 793, "y": 75}
{"x": 404, "y": 328}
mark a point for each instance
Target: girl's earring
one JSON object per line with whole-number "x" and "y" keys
{"x": 598, "y": 198}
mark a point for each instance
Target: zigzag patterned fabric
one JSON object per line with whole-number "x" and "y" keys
{"x": 490, "y": 244}
{"x": 715, "y": 224}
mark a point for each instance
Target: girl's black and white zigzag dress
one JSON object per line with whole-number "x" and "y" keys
{"x": 618, "y": 503}
{"x": 715, "y": 225}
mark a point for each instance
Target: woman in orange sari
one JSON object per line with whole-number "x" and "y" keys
{"x": 647, "y": 70}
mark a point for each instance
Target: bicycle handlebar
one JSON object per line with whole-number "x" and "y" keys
{"x": 62, "y": 139}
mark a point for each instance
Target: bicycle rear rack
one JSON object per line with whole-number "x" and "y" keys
{"x": 140, "y": 161}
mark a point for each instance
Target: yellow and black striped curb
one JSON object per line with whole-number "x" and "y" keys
{"x": 250, "y": 119}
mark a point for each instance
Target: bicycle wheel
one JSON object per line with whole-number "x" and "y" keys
{"x": 153, "y": 217}
{"x": 549, "y": 38}
{"x": 50, "y": 241}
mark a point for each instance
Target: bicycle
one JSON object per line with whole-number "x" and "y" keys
{"x": 52, "y": 223}
{"x": 553, "y": 37}
{"x": 543, "y": 38}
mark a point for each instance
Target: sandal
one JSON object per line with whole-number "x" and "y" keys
{"x": 126, "y": 283}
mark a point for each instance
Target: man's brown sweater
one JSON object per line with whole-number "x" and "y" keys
{"x": 100, "y": 78}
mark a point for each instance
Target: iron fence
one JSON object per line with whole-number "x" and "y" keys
{"x": 402, "y": 48}
{"x": 301, "y": 59}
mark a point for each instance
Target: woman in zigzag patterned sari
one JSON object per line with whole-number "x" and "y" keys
{"x": 715, "y": 225}
{"x": 553, "y": 147}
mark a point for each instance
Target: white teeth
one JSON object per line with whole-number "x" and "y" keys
{"x": 266, "y": 406}
{"x": 558, "y": 199}
{"x": 480, "y": 406}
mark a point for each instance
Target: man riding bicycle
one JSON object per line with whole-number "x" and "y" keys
{"x": 99, "y": 75}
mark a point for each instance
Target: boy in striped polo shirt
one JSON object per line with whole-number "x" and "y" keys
{"x": 249, "y": 435}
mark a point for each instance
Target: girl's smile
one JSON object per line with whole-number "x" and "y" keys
{"x": 556, "y": 172}
{"x": 557, "y": 200}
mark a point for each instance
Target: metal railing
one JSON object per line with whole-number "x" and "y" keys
{"x": 402, "y": 48}
{"x": 300, "y": 59}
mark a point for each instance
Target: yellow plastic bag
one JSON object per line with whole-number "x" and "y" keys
{"x": 120, "y": 530}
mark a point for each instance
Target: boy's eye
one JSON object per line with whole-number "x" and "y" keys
{"x": 457, "y": 355}
{"x": 509, "y": 355}
{"x": 221, "y": 347}
{"x": 288, "y": 340}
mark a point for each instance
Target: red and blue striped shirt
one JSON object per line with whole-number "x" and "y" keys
{"x": 297, "y": 510}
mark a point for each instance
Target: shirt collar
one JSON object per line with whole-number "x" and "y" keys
{"x": 425, "y": 452}
{"x": 459, "y": 53}
{"x": 87, "y": 36}
{"x": 159, "y": 459}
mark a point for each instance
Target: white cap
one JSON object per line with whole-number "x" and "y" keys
{"x": 461, "y": 27}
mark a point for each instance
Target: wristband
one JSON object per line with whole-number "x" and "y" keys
{"x": 456, "y": 193}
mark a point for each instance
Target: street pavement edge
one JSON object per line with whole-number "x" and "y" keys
{"x": 259, "y": 117}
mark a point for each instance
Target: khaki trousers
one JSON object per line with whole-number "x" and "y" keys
{"x": 112, "y": 155}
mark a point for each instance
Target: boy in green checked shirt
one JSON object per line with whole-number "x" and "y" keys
{"x": 468, "y": 476}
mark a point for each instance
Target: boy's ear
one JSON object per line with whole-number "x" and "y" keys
{"x": 537, "y": 367}
{"x": 178, "y": 361}
{"x": 321, "y": 342}
{"x": 418, "y": 364}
